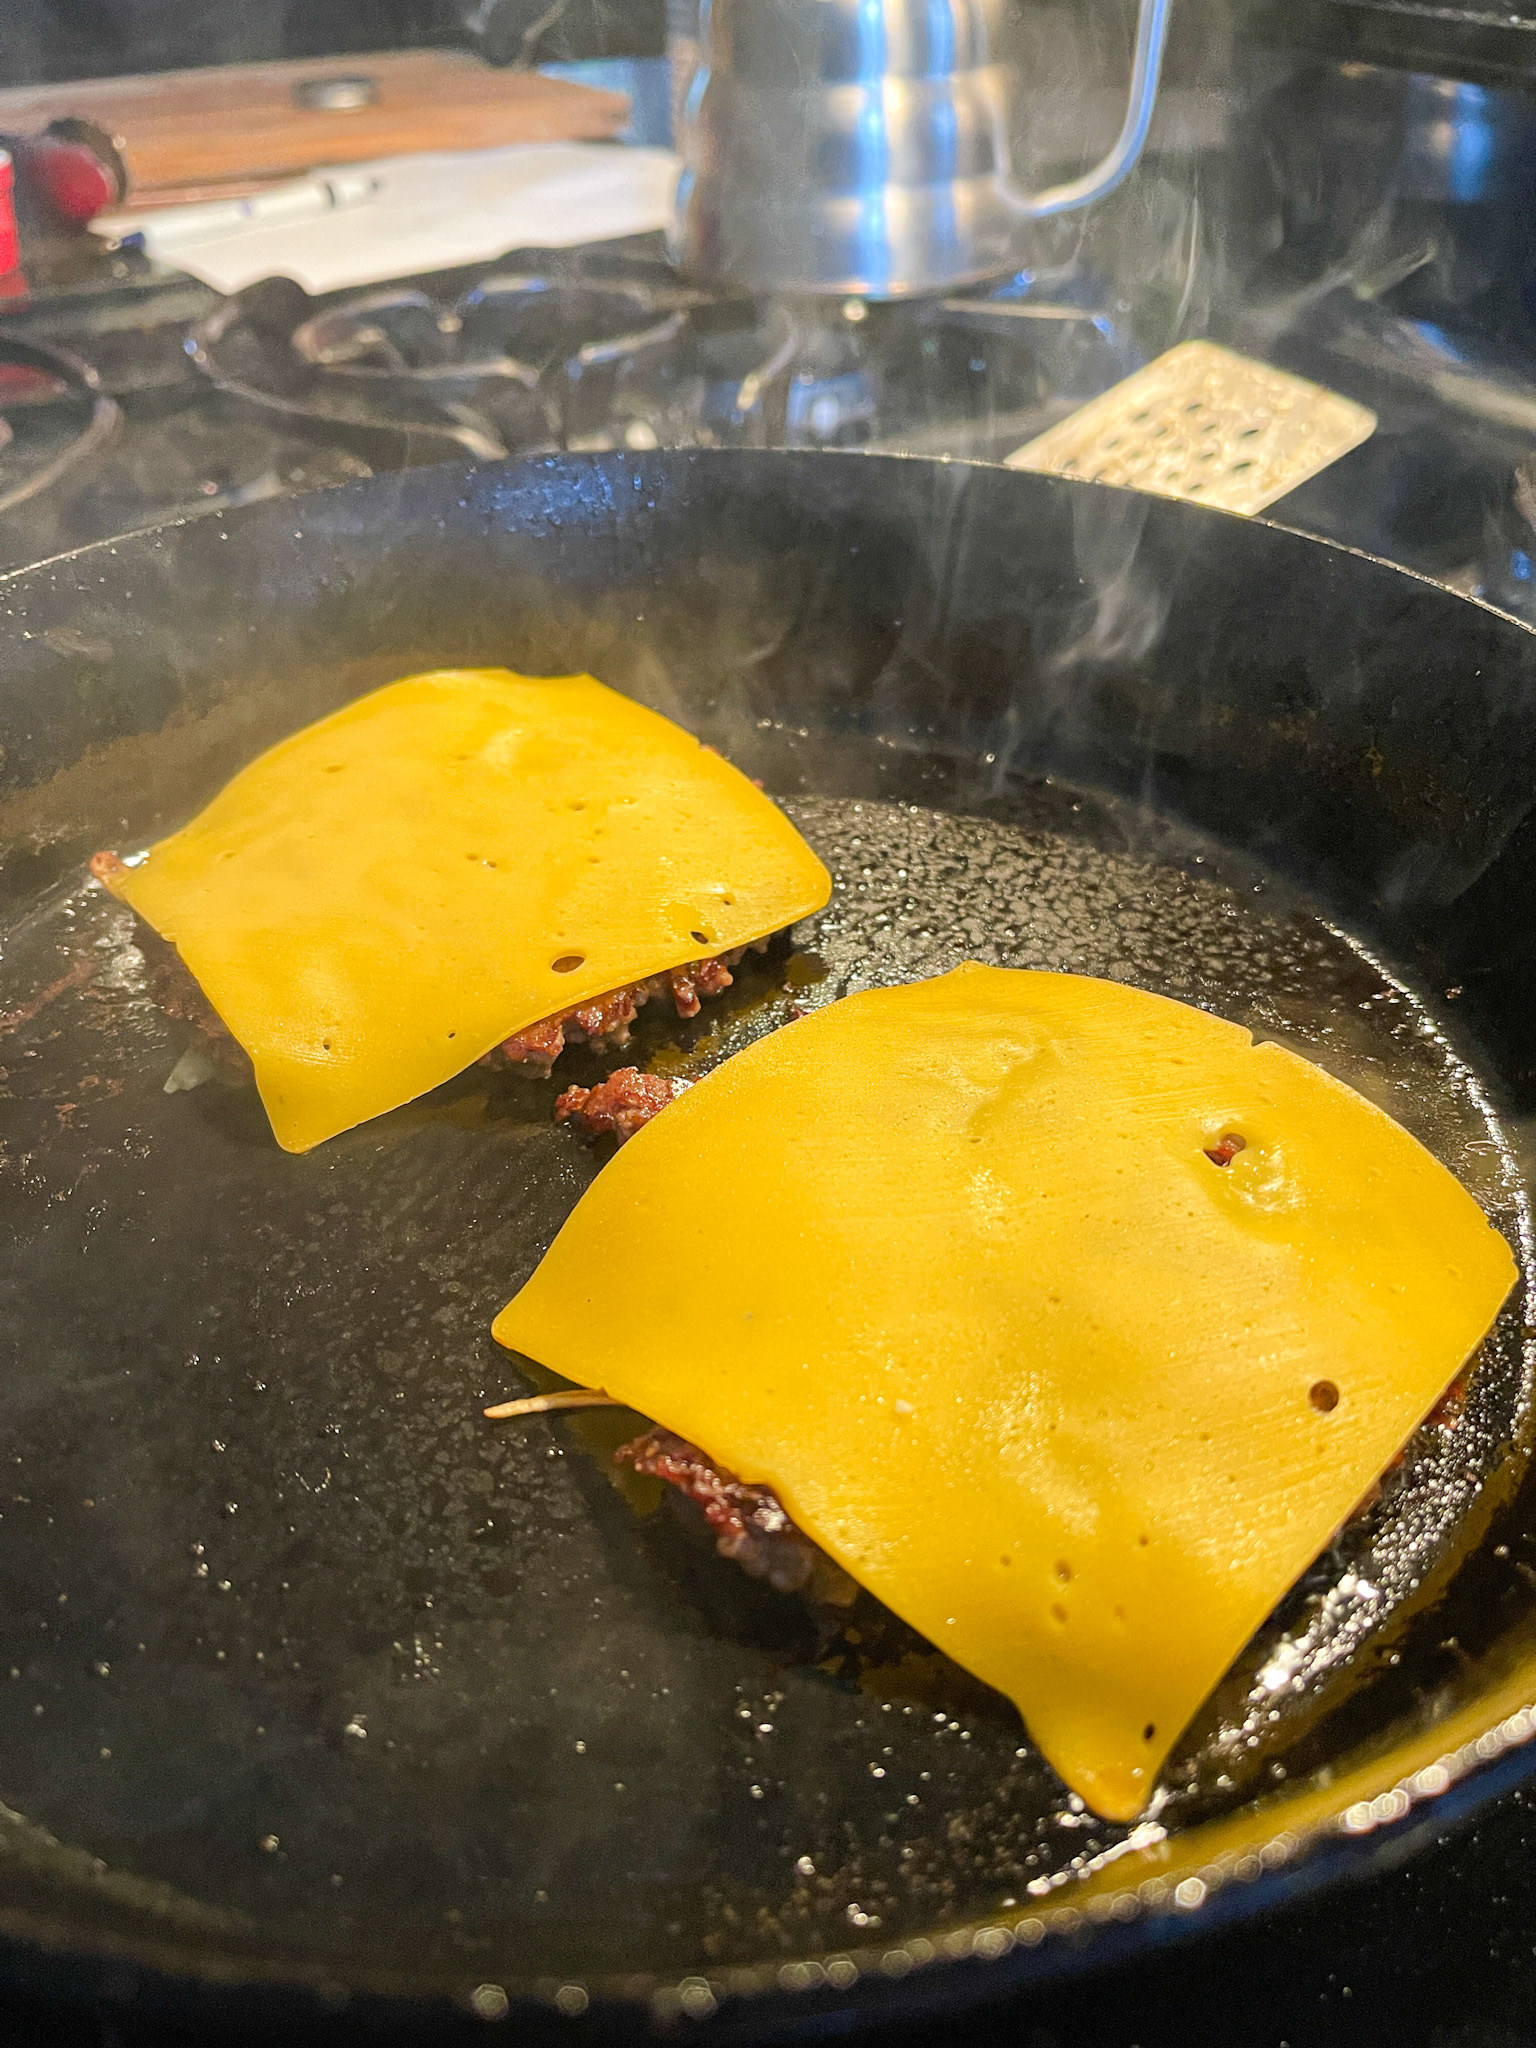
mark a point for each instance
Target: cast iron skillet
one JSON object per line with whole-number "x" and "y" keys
{"x": 310, "y": 1678}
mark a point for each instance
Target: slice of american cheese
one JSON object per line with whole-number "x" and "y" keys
{"x": 949, "y": 1268}
{"x": 393, "y": 891}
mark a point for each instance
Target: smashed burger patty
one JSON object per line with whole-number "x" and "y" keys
{"x": 972, "y": 1281}
{"x": 463, "y": 861}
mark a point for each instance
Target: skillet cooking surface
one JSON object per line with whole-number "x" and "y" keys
{"x": 333, "y": 1678}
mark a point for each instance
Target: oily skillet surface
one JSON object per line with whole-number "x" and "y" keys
{"x": 318, "y": 1680}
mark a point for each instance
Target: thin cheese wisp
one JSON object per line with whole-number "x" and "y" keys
{"x": 970, "y": 1275}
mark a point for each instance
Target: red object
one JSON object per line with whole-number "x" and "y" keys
{"x": 72, "y": 181}
{"x": 10, "y": 244}
{"x": 60, "y": 180}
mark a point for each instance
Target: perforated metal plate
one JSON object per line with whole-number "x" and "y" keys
{"x": 1204, "y": 424}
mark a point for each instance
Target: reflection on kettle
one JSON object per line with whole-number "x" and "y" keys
{"x": 861, "y": 146}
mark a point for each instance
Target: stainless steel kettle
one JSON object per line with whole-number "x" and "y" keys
{"x": 861, "y": 146}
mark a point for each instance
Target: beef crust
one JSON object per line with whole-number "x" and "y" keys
{"x": 604, "y": 1022}
{"x": 620, "y": 1105}
{"x": 750, "y": 1523}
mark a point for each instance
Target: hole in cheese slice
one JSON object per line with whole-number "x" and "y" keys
{"x": 952, "y": 1269}
{"x": 377, "y": 901}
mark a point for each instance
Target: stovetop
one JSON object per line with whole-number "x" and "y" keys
{"x": 139, "y": 396}
{"x": 155, "y": 399}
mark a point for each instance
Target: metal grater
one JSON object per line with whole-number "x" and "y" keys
{"x": 1204, "y": 424}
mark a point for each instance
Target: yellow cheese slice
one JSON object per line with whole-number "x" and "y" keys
{"x": 948, "y": 1267}
{"x": 385, "y": 896}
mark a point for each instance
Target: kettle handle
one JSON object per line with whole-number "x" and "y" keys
{"x": 1151, "y": 34}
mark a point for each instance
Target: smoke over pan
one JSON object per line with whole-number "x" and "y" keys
{"x": 337, "y": 1685}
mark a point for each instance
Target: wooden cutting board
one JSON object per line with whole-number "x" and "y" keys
{"x": 227, "y": 130}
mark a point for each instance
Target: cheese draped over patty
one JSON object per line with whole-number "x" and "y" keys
{"x": 393, "y": 891}
{"x": 949, "y": 1268}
